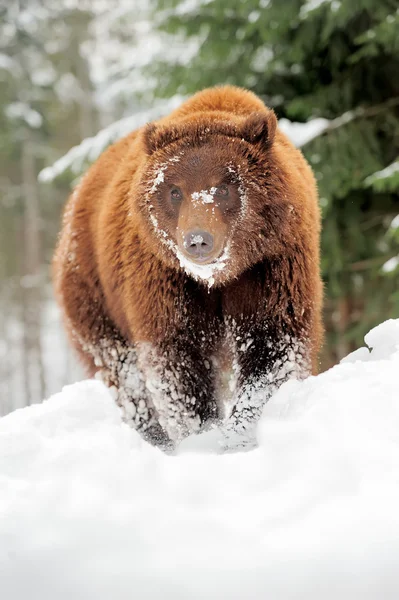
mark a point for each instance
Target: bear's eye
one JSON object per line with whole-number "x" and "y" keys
{"x": 222, "y": 191}
{"x": 176, "y": 195}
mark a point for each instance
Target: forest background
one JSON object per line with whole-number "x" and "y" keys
{"x": 78, "y": 74}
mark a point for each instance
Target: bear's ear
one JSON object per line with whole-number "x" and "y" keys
{"x": 149, "y": 136}
{"x": 260, "y": 128}
{"x": 157, "y": 137}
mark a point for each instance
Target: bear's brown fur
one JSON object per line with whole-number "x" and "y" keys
{"x": 191, "y": 247}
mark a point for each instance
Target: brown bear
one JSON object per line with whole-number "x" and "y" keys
{"x": 190, "y": 251}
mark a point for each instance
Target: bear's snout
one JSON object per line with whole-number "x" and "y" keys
{"x": 201, "y": 232}
{"x": 198, "y": 244}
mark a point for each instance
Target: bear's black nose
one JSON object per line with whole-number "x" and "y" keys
{"x": 198, "y": 243}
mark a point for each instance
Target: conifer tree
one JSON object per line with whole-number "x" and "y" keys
{"x": 330, "y": 59}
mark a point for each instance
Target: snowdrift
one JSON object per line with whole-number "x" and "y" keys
{"x": 90, "y": 511}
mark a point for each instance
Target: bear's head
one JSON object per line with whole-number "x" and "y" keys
{"x": 214, "y": 194}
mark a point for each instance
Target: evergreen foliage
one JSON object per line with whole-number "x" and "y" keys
{"x": 92, "y": 70}
{"x": 333, "y": 59}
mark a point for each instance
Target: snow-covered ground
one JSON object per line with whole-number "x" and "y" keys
{"x": 90, "y": 511}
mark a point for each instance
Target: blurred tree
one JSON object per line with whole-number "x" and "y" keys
{"x": 70, "y": 68}
{"x": 333, "y": 59}
{"x": 39, "y": 57}
{"x": 61, "y": 66}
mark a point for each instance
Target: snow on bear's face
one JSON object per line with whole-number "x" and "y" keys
{"x": 195, "y": 205}
{"x": 207, "y": 197}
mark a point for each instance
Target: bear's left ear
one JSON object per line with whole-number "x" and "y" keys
{"x": 260, "y": 128}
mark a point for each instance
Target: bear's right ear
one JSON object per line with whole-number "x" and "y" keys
{"x": 260, "y": 128}
{"x": 149, "y": 135}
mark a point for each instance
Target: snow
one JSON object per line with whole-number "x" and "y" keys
{"x": 391, "y": 264}
{"x": 186, "y": 7}
{"x": 302, "y": 133}
{"x": 310, "y": 5}
{"x": 196, "y": 239}
{"x": 394, "y": 223}
{"x": 89, "y": 510}
{"x": 160, "y": 178}
{"x": 203, "y": 272}
{"x": 58, "y": 361}
{"x": 199, "y": 272}
{"x": 91, "y": 148}
{"x": 384, "y": 174}
{"x": 7, "y": 63}
{"x": 21, "y": 110}
{"x": 204, "y": 196}
{"x": 123, "y": 43}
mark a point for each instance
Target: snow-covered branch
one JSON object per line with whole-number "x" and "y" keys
{"x": 89, "y": 149}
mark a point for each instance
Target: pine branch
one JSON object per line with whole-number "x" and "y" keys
{"x": 369, "y": 263}
{"x": 361, "y": 112}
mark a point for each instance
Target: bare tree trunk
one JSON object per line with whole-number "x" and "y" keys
{"x": 31, "y": 281}
{"x": 344, "y": 310}
{"x": 86, "y": 106}
{"x": 79, "y": 23}
{"x": 4, "y": 374}
{"x": 22, "y": 318}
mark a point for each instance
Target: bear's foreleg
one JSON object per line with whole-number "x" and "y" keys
{"x": 118, "y": 367}
{"x": 264, "y": 358}
{"x": 181, "y": 384}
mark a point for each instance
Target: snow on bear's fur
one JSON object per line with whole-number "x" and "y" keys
{"x": 188, "y": 267}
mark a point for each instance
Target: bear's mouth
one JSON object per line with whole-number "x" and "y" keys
{"x": 203, "y": 260}
{"x": 206, "y": 268}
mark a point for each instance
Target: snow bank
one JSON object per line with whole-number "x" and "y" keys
{"x": 88, "y": 510}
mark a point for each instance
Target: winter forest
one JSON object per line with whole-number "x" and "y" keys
{"x": 75, "y": 76}
{"x": 268, "y": 482}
